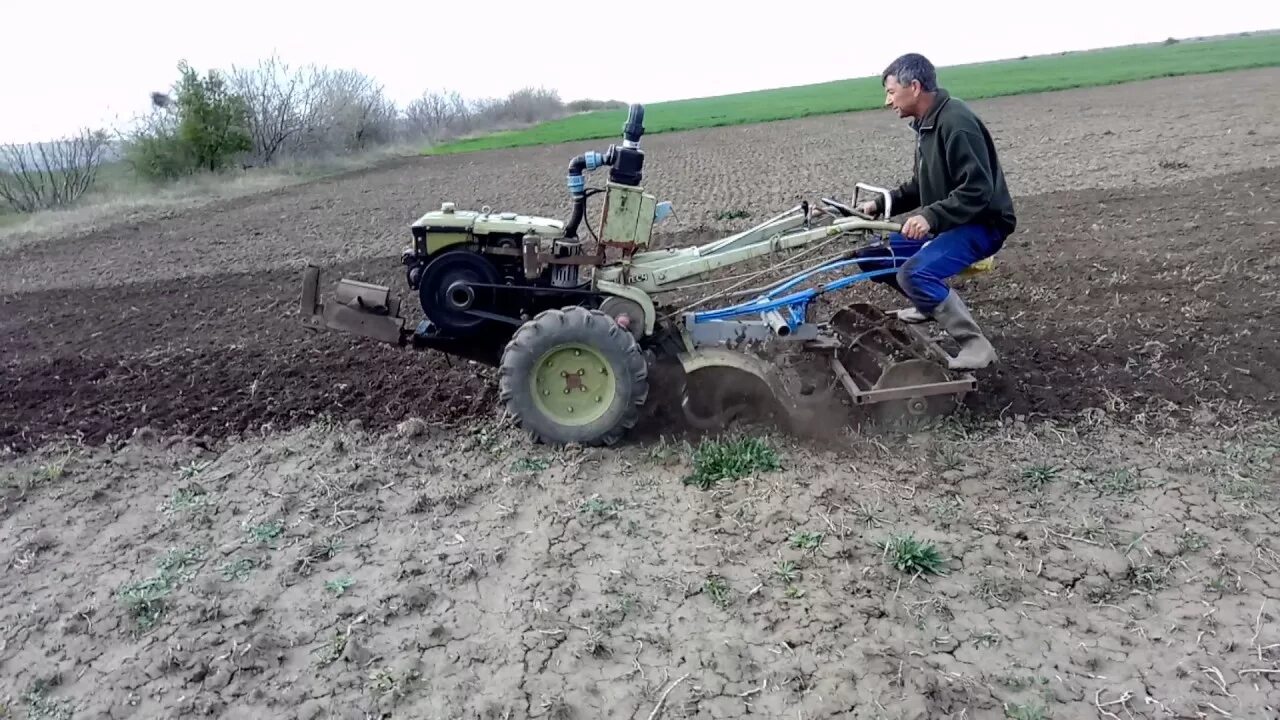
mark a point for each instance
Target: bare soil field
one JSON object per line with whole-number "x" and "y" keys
{"x": 310, "y": 526}
{"x": 331, "y": 572}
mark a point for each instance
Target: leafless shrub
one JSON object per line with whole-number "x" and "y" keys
{"x": 312, "y": 111}
{"x": 39, "y": 176}
{"x": 283, "y": 104}
{"x": 440, "y": 115}
{"x": 589, "y": 105}
{"x": 355, "y": 111}
{"x": 526, "y": 106}
{"x": 437, "y": 114}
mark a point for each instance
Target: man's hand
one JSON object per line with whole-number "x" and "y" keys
{"x": 916, "y": 227}
{"x": 869, "y": 208}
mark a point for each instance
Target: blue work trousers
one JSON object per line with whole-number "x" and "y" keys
{"x": 924, "y": 265}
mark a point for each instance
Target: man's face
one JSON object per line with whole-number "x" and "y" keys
{"x": 903, "y": 98}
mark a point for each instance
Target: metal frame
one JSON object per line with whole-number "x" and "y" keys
{"x": 795, "y": 304}
{"x": 906, "y": 392}
{"x": 658, "y": 271}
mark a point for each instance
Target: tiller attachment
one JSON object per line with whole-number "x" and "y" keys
{"x": 359, "y": 308}
{"x": 892, "y": 366}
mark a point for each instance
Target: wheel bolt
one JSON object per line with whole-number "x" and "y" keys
{"x": 566, "y": 391}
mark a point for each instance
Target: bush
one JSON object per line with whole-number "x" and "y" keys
{"x": 202, "y": 126}
{"x": 525, "y": 106}
{"x": 159, "y": 155}
{"x": 213, "y": 122}
{"x": 442, "y": 115}
{"x": 282, "y": 105}
{"x": 581, "y": 106}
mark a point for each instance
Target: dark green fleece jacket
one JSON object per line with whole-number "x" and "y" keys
{"x": 957, "y": 178}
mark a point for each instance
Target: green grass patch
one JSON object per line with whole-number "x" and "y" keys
{"x": 806, "y": 540}
{"x": 912, "y": 556}
{"x": 339, "y": 586}
{"x": 715, "y": 461}
{"x": 981, "y": 80}
{"x": 718, "y": 590}
{"x": 146, "y": 600}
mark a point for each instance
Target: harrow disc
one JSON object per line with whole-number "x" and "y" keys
{"x": 917, "y": 373}
{"x": 894, "y": 369}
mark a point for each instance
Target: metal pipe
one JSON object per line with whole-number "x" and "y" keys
{"x": 888, "y": 197}
{"x": 775, "y": 321}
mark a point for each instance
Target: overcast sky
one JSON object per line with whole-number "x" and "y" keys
{"x": 76, "y": 62}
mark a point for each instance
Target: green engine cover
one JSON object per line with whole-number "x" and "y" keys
{"x": 448, "y": 225}
{"x": 628, "y": 215}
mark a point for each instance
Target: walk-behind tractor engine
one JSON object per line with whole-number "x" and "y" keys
{"x": 574, "y": 328}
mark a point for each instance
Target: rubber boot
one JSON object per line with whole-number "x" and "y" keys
{"x": 975, "y": 351}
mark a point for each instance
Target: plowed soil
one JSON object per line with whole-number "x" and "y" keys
{"x": 1149, "y": 289}
{"x": 333, "y": 573}
{"x": 1106, "y": 503}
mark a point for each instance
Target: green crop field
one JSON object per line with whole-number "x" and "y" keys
{"x": 982, "y": 80}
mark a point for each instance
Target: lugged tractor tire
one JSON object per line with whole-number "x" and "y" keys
{"x": 574, "y": 376}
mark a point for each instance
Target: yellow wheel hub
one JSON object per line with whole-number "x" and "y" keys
{"x": 573, "y": 384}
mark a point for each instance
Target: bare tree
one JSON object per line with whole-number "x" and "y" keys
{"x": 441, "y": 114}
{"x": 355, "y": 110}
{"x": 283, "y": 104}
{"x": 462, "y": 111}
{"x": 38, "y": 176}
{"x": 430, "y": 115}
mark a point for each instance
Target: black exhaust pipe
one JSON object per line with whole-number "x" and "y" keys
{"x": 634, "y": 128}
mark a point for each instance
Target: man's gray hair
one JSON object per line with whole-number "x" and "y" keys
{"x": 912, "y": 66}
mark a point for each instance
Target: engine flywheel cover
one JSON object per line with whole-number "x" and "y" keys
{"x": 446, "y": 290}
